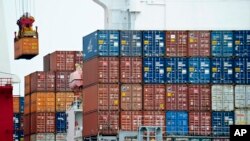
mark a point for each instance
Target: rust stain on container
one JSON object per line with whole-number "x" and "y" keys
{"x": 130, "y": 120}
{"x": 43, "y": 102}
{"x": 176, "y": 43}
{"x": 131, "y": 69}
{"x": 200, "y": 123}
{"x": 176, "y": 97}
{"x": 63, "y": 100}
{"x": 131, "y": 97}
{"x": 27, "y": 104}
{"x": 16, "y": 104}
{"x": 199, "y": 43}
{"x": 101, "y": 70}
{"x": 26, "y": 47}
{"x": 42, "y": 123}
{"x": 154, "y": 97}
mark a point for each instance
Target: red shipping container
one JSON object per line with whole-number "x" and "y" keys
{"x": 200, "y": 123}
{"x": 101, "y": 97}
{"x": 27, "y": 89}
{"x": 42, "y": 123}
{"x": 101, "y": 123}
{"x": 26, "y": 124}
{"x": 62, "y": 81}
{"x": 154, "y": 97}
{"x": 131, "y": 69}
{"x": 176, "y": 43}
{"x": 154, "y": 118}
{"x": 130, "y": 120}
{"x": 199, "y": 97}
{"x": 199, "y": 43}
{"x": 101, "y": 70}
{"x": 42, "y": 81}
{"x": 46, "y": 63}
{"x": 131, "y": 97}
{"x": 177, "y": 97}
{"x": 27, "y": 105}
{"x": 70, "y": 60}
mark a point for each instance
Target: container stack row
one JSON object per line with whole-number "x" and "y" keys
{"x": 178, "y": 80}
{"x": 18, "y": 110}
{"x": 47, "y": 97}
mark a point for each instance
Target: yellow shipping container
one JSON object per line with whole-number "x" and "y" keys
{"x": 43, "y": 102}
{"x": 63, "y": 100}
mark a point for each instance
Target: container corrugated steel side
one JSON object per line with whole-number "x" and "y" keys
{"x": 242, "y": 96}
{"x": 154, "y": 97}
{"x": 199, "y": 123}
{"x": 242, "y": 43}
{"x": 222, "y": 70}
{"x": 101, "y": 70}
{"x": 221, "y": 122}
{"x": 131, "y": 97}
{"x": 153, "y": 43}
{"x": 43, "y": 102}
{"x": 176, "y": 70}
{"x": 222, "y": 43}
{"x": 177, "y": 123}
{"x": 27, "y": 122}
{"x": 131, "y": 69}
{"x": 16, "y": 104}
{"x": 130, "y": 43}
{"x": 27, "y": 103}
{"x": 42, "y": 81}
{"x": 242, "y": 116}
{"x": 199, "y": 43}
{"x": 199, "y": 70}
{"x": 177, "y": 97}
{"x": 62, "y": 81}
{"x": 61, "y": 137}
{"x": 101, "y": 97}
{"x": 101, "y": 43}
{"x": 176, "y": 43}
{"x": 154, "y": 70}
{"x": 61, "y": 122}
{"x": 42, "y": 123}
{"x": 42, "y": 137}
{"x": 46, "y": 62}
{"x": 64, "y": 100}
{"x": 27, "y": 87}
{"x": 21, "y": 104}
{"x": 199, "y": 139}
{"x": 241, "y": 68}
{"x": 101, "y": 123}
{"x": 154, "y": 118}
{"x": 199, "y": 97}
{"x": 222, "y": 97}
{"x": 130, "y": 120}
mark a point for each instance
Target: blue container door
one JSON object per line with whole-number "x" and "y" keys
{"x": 227, "y": 44}
{"x": 90, "y": 48}
{"x": 176, "y": 123}
{"x": 148, "y": 43}
{"x": 131, "y": 43}
{"x": 199, "y": 70}
{"x": 216, "y": 65}
{"x": 176, "y": 70}
{"x": 114, "y": 45}
{"x": 21, "y": 104}
{"x": 204, "y": 70}
{"x": 242, "y": 43}
{"x": 222, "y": 70}
{"x": 222, "y": 43}
{"x": 228, "y": 76}
{"x": 154, "y": 43}
{"x": 193, "y": 70}
{"x": 242, "y": 70}
{"x": 159, "y": 44}
{"x": 171, "y": 76}
{"x": 154, "y": 70}
{"x": 182, "y": 123}
{"x": 103, "y": 43}
{"x": 221, "y": 122}
{"x": 216, "y": 43}
{"x": 61, "y": 122}
{"x": 182, "y": 75}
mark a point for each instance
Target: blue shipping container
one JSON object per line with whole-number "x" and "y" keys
{"x": 131, "y": 43}
{"x": 221, "y": 122}
{"x": 154, "y": 43}
{"x": 199, "y": 70}
{"x": 101, "y": 43}
{"x": 21, "y": 104}
{"x": 222, "y": 43}
{"x": 154, "y": 70}
{"x": 16, "y": 121}
{"x": 242, "y": 70}
{"x": 177, "y": 123}
{"x": 242, "y": 43}
{"x": 61, "y": 122}
{"x": 222, "y": 70}
{"x": 176, "y": 70}
{"x": 16, "y": 136}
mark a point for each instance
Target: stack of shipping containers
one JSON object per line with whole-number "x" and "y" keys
{"x": 47, "y": 96}
{"x": 18, "y": 109}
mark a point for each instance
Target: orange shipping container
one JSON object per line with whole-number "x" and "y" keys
{"x": 43, "y": 102}
{"x": 16, "y": 104}
{"x": 26, "y": 48}
{"x": 27, "y": 85}
{"x": 27, "y": 104}
{"x": 63, "y": 100}
{"x": 42, "y": 123}
{"x": 131, "y": 97}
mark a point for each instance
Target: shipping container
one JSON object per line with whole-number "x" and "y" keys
{"x": 131, "y": 69}
{"x": 27, "y": 85}
{"x": 177, "y": 97}
{"x": 130, "y": 43}
{"x": 27, "y": 138}
{"x": 199, "y": 123}
{"x": 27, "y": 104}
{"x": 101, "y": 97}
{"x": 222, "y": 97}
{"x": 64, "y": 101}
{"x": 16, "y": 104}
{"x": 177, "y": 139}
{"x": 222, "y": 70}
{"x": 101, "y": 43}
{"x": 154, "y": 70}
{"x": 78, "y": 58}
{"x": 221, "y": 122}
{"x": 153, "y": 43}
{"x": 101, "y": 70}
{"x": 222, "y": 43}
{"x": 26, "y": 123}
{"x": 42, "y": 81}
{"x": 21, "y": 121}
{"x": 16, "y": 121}
{"x": 177, "y": 123}
{"x": 177, "y": 43}
{"x": 242, "y": 43}
{"x": 43, "y": 102}
{"x": 176, "y": 70}
{"x": 130, "y": 120}
{"x": 46, "y": 62}
{"x": 199, "y": 70}
{"x": 199, "y": 97}
{"x": 154, "y": 97}
{"x": 200, "y": 139}
{"x": 61, "y": 137}
{"x": 62, "y": 61}
{"x": 154, "y": 118}
{"x": 26, "y": 48}
{"x": 61, "y": 122}
{"x": 131, "y": 97}
{"x": 242, "y": 70}
{"x": 242, "y": 116}
{"x": 42, "y": 137}
{"x": 42, "y": 123}
{"x": 21, "y": 104}
{"x": 242, "y": 96}
{"x": 221, "y": 139}
{"x": 62, "y": 81}
{"x": 16, "y": 135}
{"x": 101, "y": 123}
{"x": 199, "y": 43}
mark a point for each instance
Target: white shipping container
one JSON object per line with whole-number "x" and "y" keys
{"x": 242, "y": 116}
{"x": 222, "y": 98}
{"x": 61, "y": 137}
{"x": 242, "y": 96}
{"x": 42, "y": 137}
